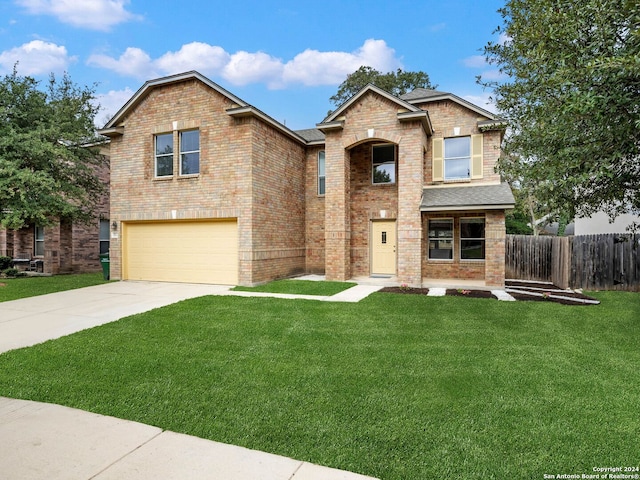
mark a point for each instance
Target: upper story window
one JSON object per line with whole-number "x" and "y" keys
{"x": 190, "y": 152}
{"x": 457, "y": 158}
{"x": 164, "y": 155}
{"x": 321, "y": 173}
{"x": 384, "y": 163}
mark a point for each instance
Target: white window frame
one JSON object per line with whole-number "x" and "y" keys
{"x": 162, "y": 155}
{"x": 38, "y": 241}
{"x": 104, "y": 235}
{"x": 431, "y": 238}
{"x": 481, "y": 239}
{"x": 446, "y": 159}
{"x": 374, "y": 163}
{"x": 188, "y": 152}
{"x": 322, "y": 173}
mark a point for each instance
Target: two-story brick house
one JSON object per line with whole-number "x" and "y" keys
{"x": 207, "y": 188}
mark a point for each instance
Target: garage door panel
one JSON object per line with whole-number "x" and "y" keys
{"x": 194, "y": 252}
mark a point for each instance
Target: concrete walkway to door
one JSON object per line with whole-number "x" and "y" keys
{"x": 39, "y": 440}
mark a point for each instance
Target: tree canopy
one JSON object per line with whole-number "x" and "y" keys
{"x": 47, "y": 169}
{"x": 397, "y": 83}
{"x": 570, "y": 91}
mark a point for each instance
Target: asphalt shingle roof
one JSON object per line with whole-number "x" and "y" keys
{"x": 468, "y": 197}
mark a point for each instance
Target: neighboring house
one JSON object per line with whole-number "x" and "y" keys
{"x": 599, "y": 223}
{"x": 207, "y": 188}
{"x": 64, "y": 247}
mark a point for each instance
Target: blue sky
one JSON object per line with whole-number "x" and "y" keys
{"x": 285, "y": 58}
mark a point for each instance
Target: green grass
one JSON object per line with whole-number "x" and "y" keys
{"x": 300, "y": 287}
{"x": 22, "y": 287}
{"x": 396, "y": 386}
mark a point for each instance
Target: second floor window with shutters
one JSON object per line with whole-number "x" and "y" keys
{"x": 457, "y": 158}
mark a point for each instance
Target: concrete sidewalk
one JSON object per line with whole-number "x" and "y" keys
{"x": 42, "y": 441}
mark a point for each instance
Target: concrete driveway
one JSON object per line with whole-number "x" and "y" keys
{"x": 28, "y": 321}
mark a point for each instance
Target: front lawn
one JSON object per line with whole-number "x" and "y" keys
{"x": 300, "y": 287}
{"x": 22, "y": 287}
{"x": 396, "y": 386}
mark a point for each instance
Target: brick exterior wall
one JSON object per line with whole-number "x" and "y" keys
{"x": 248, "y": 171}
{"x": 314, "y": 215}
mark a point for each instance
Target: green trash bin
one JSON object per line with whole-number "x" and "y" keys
{"x": 104, "y": 261}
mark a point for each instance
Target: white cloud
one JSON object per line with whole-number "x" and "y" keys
{"x": 110, "y": 103}
{"x": 483, "y": 101}
{"x": 134, "y": 62}
{"x": 91, "y": 14}
{"x": 244, "y": 68}
{"x": 475, "y": 61}
{"x": 310, "y": 67}
{"x": 199, "y": 56}
{"x": 36, "y": 57}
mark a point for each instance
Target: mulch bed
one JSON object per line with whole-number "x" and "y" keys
{"x": 521, "y": 291}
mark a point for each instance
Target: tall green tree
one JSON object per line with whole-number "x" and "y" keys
{"x": 570, "y": 91}
{"x": 397, "y": 83}
{"x": 46, "y": 168}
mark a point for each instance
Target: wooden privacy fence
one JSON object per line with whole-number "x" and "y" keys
{"x": 595, "y": 262}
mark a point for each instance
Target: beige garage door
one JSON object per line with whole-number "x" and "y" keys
{"x": 191, "y": 252}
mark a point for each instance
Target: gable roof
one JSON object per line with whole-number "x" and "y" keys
{"x": 426, "y": 95}
{"x": 412, "y": 112}
{"x": 240, "y": 109}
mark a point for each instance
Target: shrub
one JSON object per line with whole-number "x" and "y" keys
{"x": 5, "y": 262}
{"x": 12, "y": 272}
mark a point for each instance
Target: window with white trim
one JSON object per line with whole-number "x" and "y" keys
{"x": 441, "y": 239}
{"x": 457, "y": 158}
{"x": 384, "y": 163}
{"x": 472, "y": 240}
{"x": 190, "y": 152}
{"x": 321, "y": 173}
{"x": 104, "y": 236}
{"x": 164, "y": 155}
{"x": 38, "y": 241}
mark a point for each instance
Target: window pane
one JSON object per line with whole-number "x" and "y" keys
{"x": 164, "y": 144}
{"x": 472, "y": 228}
{"x": 472, "y": 249}
{"x": 190, "y": 163}
{"x": 321, "y": 173}
{"x": 384, "y": 163}
{"x": 164, "y": 166}
{"x": 385, "y": 173}
{"x": 457, "y": 147}
{"x": 441, "y": 239}
{"x": 190, "y": 141}
{"x": 456, "y": 168}
{"x": 104, "y": 246}
{"x": 104, "y": 229}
